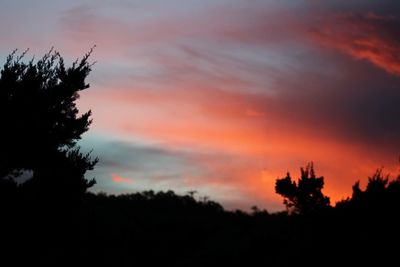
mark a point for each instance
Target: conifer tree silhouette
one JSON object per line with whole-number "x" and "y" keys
{"x": 41, "y": 123}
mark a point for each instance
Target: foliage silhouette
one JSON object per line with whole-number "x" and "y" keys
{"x": 306, "y": 196}
{"x": 380, "y": 197}
{"x": 41, "y": 124}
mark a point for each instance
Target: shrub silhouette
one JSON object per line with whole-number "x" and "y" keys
{"x": 381, "y": 196}
{"x": 305, "y": 196}
{"x": 41, "y": 123}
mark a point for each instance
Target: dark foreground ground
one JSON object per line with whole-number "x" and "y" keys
{"x": 164, "y": 229}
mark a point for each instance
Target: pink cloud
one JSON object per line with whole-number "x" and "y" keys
{"x": 119, "y": 179}
{"x": 248, "y": 24}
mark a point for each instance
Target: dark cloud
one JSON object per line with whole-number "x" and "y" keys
{"x": 360, "y": 104}
{"x": 364, "y": 36}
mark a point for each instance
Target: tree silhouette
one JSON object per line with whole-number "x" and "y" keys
{"x": 306, "y": 195}
{"x": 379, "y": 196}
{"x": 41, "y": 123}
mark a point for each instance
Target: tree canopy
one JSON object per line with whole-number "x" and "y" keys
{"x": 41, "y": 123}
{"x": 306, "y": 195}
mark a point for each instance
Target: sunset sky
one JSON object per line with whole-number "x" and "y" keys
{"x": 225, "y": 96}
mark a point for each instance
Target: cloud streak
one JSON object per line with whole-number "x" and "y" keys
{"x": 367, "y": 36}
{"x": 118, "y": 179}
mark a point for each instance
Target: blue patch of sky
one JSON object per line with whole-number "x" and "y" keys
{"x": 148, "y": 165}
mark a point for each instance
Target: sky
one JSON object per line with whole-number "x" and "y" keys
{"x": 224, "y": 97}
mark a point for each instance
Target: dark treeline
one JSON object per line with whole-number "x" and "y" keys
{"x": 174, "y": 230}
{"x": 52, "y": 220}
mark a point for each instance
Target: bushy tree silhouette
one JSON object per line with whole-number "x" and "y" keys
{"x": 380, "y": 195}
{"x": 41, "y": 123}
{"x": 306, "y": 195}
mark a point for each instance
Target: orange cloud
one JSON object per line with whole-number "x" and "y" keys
{"x": 118, "y": 179}
{"x": 238, "y": 153}
{"x": 365, "y": 37}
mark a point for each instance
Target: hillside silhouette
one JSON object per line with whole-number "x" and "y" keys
{"x": 52, "y": 220}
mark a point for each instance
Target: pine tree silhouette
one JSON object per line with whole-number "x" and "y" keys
{"x": 41, "y": 124}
